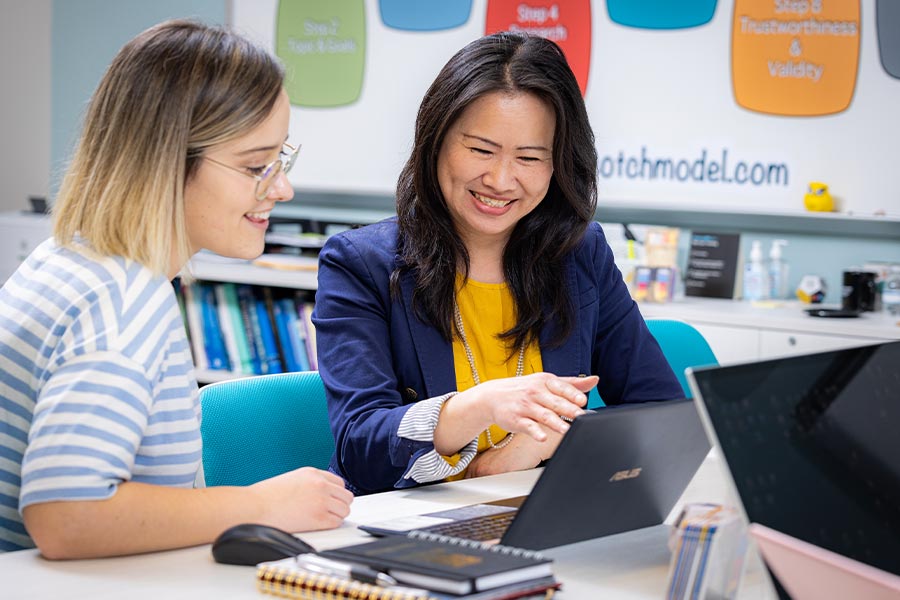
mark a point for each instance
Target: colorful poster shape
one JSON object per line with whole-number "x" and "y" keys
{"x": 417, "y": 15}
{"x": 566, "y": 22}
{"x": 887, "y": 15}
{"x": 323, "y": 46}
{"x": 661, "y": 14}
{"x": 795, "y": 57}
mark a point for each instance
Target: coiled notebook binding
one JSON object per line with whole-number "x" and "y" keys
{"x": 499, "y": 548}
{"x": 283, "y": 581}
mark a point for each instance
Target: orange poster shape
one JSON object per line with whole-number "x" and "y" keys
{"x": 795, "y": 57}
{"x": 566, "y": 22}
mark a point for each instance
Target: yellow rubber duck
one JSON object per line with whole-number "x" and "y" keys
{"x": 817, "y": 198}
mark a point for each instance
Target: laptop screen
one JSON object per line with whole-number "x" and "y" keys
{"x": 813, "y": 446}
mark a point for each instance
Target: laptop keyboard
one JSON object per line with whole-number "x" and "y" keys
{"x": 481, "y": 529}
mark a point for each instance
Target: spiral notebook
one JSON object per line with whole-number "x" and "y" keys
{"x": 287, "y": 579}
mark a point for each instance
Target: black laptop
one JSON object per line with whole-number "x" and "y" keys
{"x": 812, "y": 445}
{"x": 617, "y": 469}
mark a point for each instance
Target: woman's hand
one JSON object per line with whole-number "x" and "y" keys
{"x": 530, "y": 405}
{"x": 141, "y": 517}
{"x": 533, "y": 404}
{"x": 522, "y": 453}
{"x": 305, "y": 499}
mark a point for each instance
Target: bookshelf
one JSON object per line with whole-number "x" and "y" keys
{"x": 270, "y": 286}
{"x": 204, "y": 269}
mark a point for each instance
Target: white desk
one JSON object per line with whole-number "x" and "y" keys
{"x": 627, "y": 566}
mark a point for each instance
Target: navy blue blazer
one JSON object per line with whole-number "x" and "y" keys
{"x": 377, "y": 358}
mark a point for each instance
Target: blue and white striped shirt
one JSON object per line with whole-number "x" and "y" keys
{"x": 96, "y": 384}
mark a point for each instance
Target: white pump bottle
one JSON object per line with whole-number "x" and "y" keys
{"x": 778, "y": 271}
{"x": 756, "y": 279}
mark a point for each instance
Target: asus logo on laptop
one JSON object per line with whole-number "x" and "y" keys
{"x": 626, "y": 474}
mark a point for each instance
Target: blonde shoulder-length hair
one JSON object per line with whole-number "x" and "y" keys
{"x": 172, "y": 92}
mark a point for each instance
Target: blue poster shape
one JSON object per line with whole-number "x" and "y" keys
{"x": 887, "y": 15}
{"x": 416, "y": 15}
{"x": 661, "y": 14}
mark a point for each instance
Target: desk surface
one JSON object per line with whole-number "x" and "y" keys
{"x": 630, "y": 565}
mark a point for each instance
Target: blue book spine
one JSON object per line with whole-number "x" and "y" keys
{"x": 295, "y": 330}
{"x": 213, "y": 342}
{"x": 271, "y": 361}
{"x": 287, "y": 351}
{"x": 247, "y": 304}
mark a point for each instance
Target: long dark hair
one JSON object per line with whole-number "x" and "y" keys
{"x": 430, "y": 247}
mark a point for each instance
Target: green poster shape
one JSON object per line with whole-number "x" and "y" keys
{"x": 323, "y": 46}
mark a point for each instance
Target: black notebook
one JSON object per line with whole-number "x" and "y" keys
{"x": 446, "y": 564}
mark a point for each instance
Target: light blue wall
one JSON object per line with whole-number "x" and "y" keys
{"x": 86, "y": 34}
{"x": 808, "y": 254}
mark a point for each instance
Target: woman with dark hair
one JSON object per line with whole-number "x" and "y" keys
{"x": 491, "y": 304}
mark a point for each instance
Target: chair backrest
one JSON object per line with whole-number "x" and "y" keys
{"x": 683, "y": 347}
{"x": 258, "y": 427}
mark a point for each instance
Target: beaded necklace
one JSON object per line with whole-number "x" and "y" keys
{"x": 520, "y": 368}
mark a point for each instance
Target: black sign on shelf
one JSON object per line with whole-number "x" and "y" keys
{"x": 713, "y": 268}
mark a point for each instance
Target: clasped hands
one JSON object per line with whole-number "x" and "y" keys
{"x": 530, "y": 406}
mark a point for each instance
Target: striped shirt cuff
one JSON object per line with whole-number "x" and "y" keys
{"x": 418, "y": 424}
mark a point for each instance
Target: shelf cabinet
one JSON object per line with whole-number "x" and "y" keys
{"x": 263, "y": 318}
{"x": 736, "y": 331}
{"x": 776, "y": 344}
{"x": 731, "y": 344}
{"x": 741, "y": 332}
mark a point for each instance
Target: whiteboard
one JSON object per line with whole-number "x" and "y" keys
{"x": 659, "y": 94}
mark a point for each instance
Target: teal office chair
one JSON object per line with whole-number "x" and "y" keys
{"x": 683, "y": 347}
{"x": 258, "y": 427}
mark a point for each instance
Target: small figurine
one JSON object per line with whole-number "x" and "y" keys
{"x": 817, "y": 198}
{"x": 811, "y": 289}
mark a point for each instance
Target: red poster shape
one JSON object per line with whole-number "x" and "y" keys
{"x": 566, "y": 22}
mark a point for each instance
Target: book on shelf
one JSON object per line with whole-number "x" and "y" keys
{"x": 243, "y": 329}
{"x": 244, "y": 360}
{"x": 194, "y": 325}
{"x": 282, "y": 329}
{"x": 229, "y": 336}
{"x": 296, "y": 332}
{"x": 446, "y": 564}
{"x": 285, "y": 578}
{"x": 288, "y": 262}
{"x": 269, "y": 302}
{"x": 305, "y": 312}
{"x": 213, "y": 342}
{"x": 247, "y": 302}
{"x": 271, "y": 360}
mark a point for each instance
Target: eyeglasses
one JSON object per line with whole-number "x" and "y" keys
{"x": 267, "y": 174}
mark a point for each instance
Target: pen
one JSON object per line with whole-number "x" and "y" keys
{"x": 326, "y": 566}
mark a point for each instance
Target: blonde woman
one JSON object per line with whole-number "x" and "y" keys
{"x": 184, "y": 147}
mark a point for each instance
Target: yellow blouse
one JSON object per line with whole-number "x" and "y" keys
{"x": 488, "y": 309}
